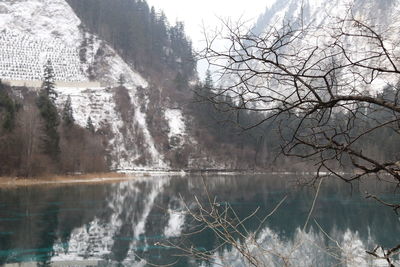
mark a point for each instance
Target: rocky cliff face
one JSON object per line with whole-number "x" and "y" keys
{"x": 34, "y": 31}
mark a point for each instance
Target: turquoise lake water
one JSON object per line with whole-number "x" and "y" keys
{"x": 143, "y": 221}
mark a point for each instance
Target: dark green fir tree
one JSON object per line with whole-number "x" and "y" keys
{"x": 49, "y": 113}
{"x": 68, "y": 113}
{"x": 49, "y": 81}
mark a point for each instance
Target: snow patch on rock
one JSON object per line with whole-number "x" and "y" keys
{"x": 176, "y": 122}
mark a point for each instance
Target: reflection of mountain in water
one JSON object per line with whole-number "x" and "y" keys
{"x": 120, "y": 231}
{"x": 124, "y": 223}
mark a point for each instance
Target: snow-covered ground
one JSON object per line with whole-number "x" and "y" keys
{"x": 176, "y": 122}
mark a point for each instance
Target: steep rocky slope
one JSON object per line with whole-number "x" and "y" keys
{"x": 34, "y": 31}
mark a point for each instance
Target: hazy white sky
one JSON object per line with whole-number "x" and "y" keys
{"x": 194, "y": 12}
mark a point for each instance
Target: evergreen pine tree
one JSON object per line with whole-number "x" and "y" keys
{"x": 48, "y": 82}
{"x": 49, "y": 112}
{"x": 89, "y": 125}
{"x": 9, "y": 109}
{"x": 68, "y": 113}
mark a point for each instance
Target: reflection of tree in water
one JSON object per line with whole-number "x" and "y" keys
{"x": 48, "y": 224}
{"x": 38, "y": 217}
{"x": 126, "y": 222}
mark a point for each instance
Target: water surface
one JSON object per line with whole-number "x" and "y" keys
{"x": 136, "y": 222}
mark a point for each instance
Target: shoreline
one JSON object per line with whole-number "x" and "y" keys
{"x": 94, "y": 178}
{"x": 109, "y": 177}
{"x": 126, "y": 175}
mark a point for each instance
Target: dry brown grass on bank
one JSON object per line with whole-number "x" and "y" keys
{"x": 90, "y": 178}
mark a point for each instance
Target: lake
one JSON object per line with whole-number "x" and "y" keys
{"x": 145, "y": 221}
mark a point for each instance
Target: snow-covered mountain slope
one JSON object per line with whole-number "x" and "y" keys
{"x": 314, "y": 38}
{"x": 29, "y": 37}
{"x": 49, "y": 29}
{"x": 99, "y": 104}
{"x": 25, "y": 56}
{"x": 325, "y": 20}
{"x": 34, "y": 31}
{"x": 382, "y": 13}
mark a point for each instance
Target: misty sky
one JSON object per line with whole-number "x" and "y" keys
{"x": 195, "y": 14}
